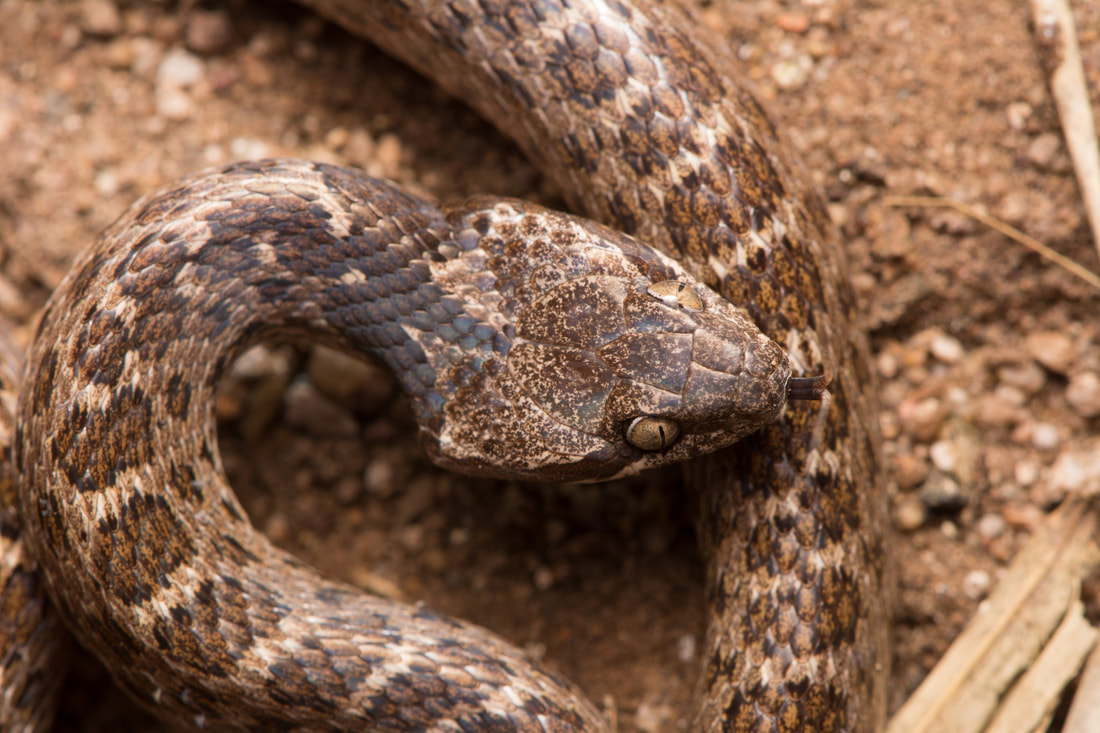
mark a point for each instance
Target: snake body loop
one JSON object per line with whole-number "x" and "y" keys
{"x": 638, "y": 119}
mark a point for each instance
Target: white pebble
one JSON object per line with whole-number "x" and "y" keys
{"x": 976, "y": 584}
{"x": 180, "y": 69}
{"x": 1044, "y": 436}
{"x": 946, "y": 349}
{"x": 1083, "y": 394}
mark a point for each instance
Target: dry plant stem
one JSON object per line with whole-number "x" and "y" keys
{"x": 1057, "y": 38}
{"x": 1084, "y": 713}
{"x": 996, "y": 224}
{"x": 1031, "y": 703}
{"x": 1040, "y": 587}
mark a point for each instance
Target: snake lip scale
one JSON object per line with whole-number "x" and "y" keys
{"x": 524, "y": 339}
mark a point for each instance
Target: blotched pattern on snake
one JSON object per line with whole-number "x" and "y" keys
{"x": 638, "y": 118}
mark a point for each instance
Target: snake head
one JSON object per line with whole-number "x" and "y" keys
{"x": 634, "y": 374}
{"x": 616, "y": 359}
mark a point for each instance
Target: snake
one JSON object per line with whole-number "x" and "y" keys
{"x": 526, "y": 341}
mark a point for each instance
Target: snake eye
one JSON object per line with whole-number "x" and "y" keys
{"x": 675, "y": 292}
{"x": 652, "y": 433}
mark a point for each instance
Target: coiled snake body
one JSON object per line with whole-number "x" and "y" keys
{"x": 486, "y": 311}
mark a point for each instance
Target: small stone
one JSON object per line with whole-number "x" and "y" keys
{"x": 792, "y": 74}
{"x": 1077, "y": 469}
{"x": 259, "y": 362}
{"x": 100, "y": 18}
{"x": 1022, "y": 516}
{"x": 248, "y": 148}
{"x": 942, "y": 493}
{"x": 1043, "y": 149}
{"x": 208, "y": 31}
{"x": 365, "y": 386}
{"x": 1045, "y": 436}
{"x": 793, "y": 22}
{"x": 1052, "y": 349}
{"x": 1026, "y": 376}
{"x": 180, "y": 69}
{"x": 976, "y": 584}
{"x": 308, "y": 409}
{"x": 994, "y": 410}
{"x": 1018, "y": 114}
{"x": 652, "y": 717}
{"x": 910, "y": 513}
{"x": 387, "y": 158}
{"x": 1026, "y": 472}
{"x": 277, "y": 527}
{"x": 990, "y": 527}
{"x": 944, "y": 455}
{"x": 686, "y": 648}
{"x": 909, "y": 471}
{"x": 379, "y": 477}
{"x": 888, "y": 364}
{"x": 889, "y": 425}
{"x": 923, "y": 419}
{"x": 543, "y": 578}
{"x": 1083, "y": 394}
{"x": 946, "y": 349}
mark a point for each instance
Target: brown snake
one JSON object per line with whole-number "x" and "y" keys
{"x": 637, "y": 117}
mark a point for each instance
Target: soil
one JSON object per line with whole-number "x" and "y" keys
{"x": 987, "y": 354}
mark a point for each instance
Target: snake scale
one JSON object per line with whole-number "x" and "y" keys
{"x": 635, "y": 113}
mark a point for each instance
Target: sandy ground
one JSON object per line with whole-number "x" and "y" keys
{"x": 988, "y": 356}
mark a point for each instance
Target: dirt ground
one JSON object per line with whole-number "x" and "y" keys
{"x": 987, "y": 354}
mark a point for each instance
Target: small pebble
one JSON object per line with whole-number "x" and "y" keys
{"x": 1026, "y": 472}
{"x": 944, "y": 455}
{"x": 943, "y": 494}
{"x": 976, "y": 584}
{"x": 1077, "y": 469}
{"x": 686, "y": 647}
{"x": 910, "y": 513}
{"x": 208, "y": 31}
{"x": 652, "y": 717}
{"x": 1083, "y": 394}
{"x": 1044, "y": 436}
{"x": 100, "y": 18}
{"x": 923, "y": 419}
{"x": 543, "y": 578}
{"x": 1022, "y": 516}
{"x": 990, "y": 526}
{"x": 379, "y": 477}
{"x": 180, "y": 69}
{"x": 343, "y": 378}
{"x": 259, "y": 362}
{"x": 946, "y": 349}
{"x": 1026, "y": 376}
{"x": 909, "y": 471}
{"x": 1052, "y": 349}
{"x": 308, "y": 409}
{"x": 888, "y": 364}
{"x": 1042, "y": 150}
{"x": 792, "y": 74}
{"x": 793, "y": 22}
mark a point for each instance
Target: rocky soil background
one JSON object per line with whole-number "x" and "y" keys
{"x": 987, "y": 355}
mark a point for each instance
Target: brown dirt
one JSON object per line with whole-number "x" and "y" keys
{"x": 985, "y": 351}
